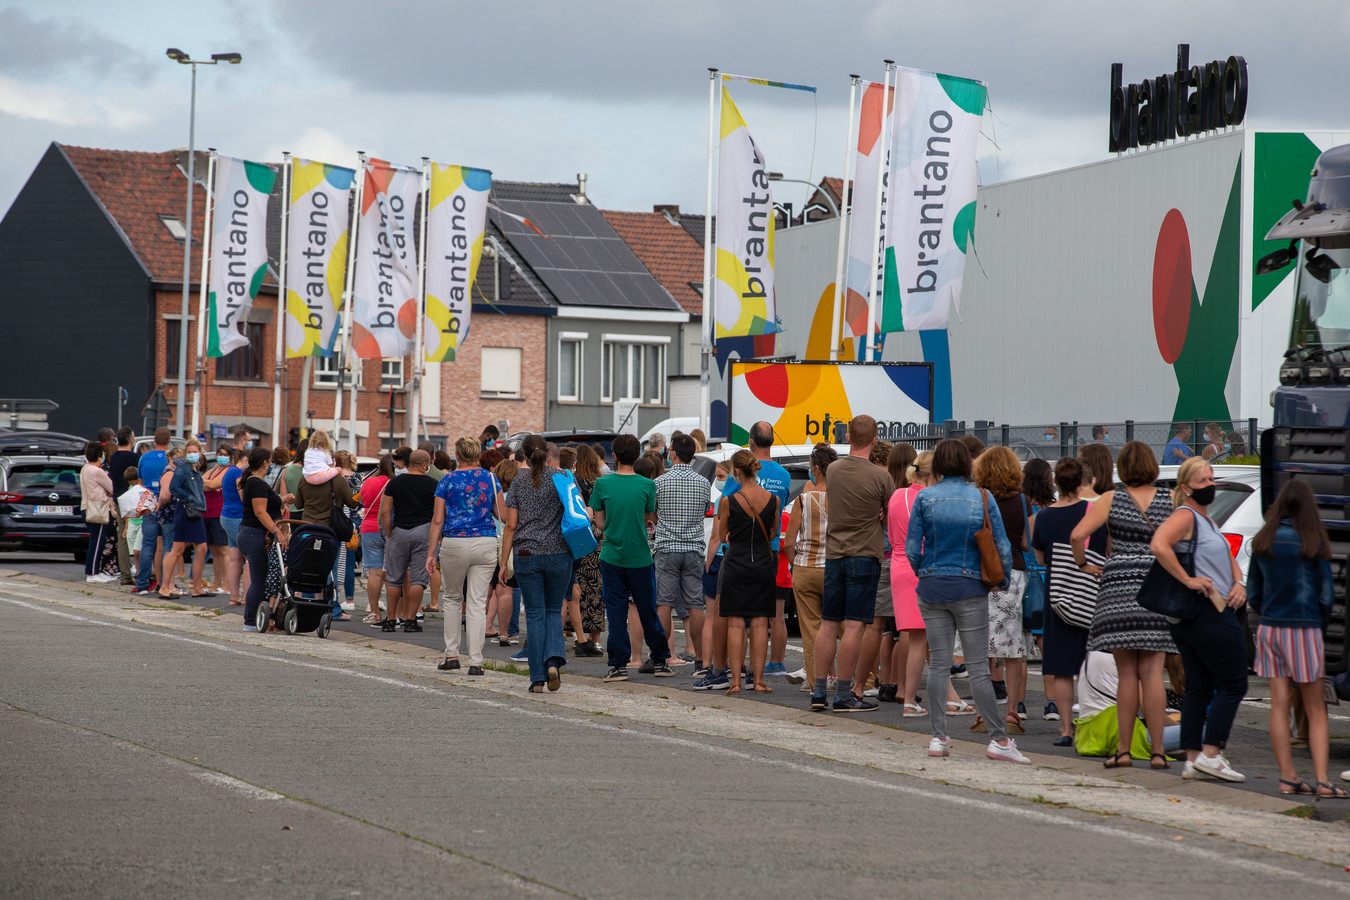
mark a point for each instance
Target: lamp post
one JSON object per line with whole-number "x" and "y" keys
{"x": 834, "y": 207}
{"x": 182, "y": 58}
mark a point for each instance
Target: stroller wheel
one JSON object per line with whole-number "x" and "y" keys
{"x": 291, "y": 621}
{"x": 262, "y": 619}
{"x": 325, "y": 623}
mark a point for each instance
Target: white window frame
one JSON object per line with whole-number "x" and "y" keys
{"x": 636, "y": 350}
{"x": 391, "y": 373}
{"x": 325, "y": 376}
{"x": 492, "y": 394}
{"x": 579, "y": 339}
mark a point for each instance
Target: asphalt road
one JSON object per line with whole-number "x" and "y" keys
{"x": 152, "y": 752}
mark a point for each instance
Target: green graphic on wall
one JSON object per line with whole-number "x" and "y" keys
{"x": 1283, "y": 168}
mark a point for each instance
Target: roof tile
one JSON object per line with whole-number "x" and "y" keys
{"x": 667, "y": 250}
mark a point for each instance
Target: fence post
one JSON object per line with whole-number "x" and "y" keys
{"x": 949, "y": 428}
{"x": 1195, "y": 436}
{"x": 1252, "y": 436}
{"x": 1129, "y": 430}
{"x": 1074, "y": 443}
{"x": 1003, "y": 435}
{"x": 1063, "y": 438}
{"x": 981, "y": 430}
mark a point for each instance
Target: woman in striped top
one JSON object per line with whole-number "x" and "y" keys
{"x": 804, "y": 544}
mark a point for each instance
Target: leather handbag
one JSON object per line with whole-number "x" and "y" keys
{"x": 337, "y": 517}
{"x": 1034, "y": 595}
{"x": 991, "y": 566}
{"x": 1163, "y": 594}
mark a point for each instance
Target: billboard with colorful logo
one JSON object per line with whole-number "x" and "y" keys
{"x": 806, "y": 401}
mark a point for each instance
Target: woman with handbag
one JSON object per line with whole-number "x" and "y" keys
{"x": 957, "y": 547}
{"x": 590, "y": 590}
{"x": 1138, "y": 639}
{"x": 748, "y": 522}
{"x": 344, "y": 570}
{"x": 320, "y": 504}
{"x": 372, "y": 540}
{"x": 1213, "y": 647}
{"x": 1064, "y": 646}
{"x": 259, "y": 525}
{"x": 189, "y": 527}
{"x": 96, "y": 494}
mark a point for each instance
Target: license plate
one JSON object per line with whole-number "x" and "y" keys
{"x": 54, "y": 510}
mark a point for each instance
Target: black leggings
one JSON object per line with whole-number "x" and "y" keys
{"x": 253, "y": 544}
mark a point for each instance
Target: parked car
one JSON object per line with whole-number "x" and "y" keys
{"x": 40, "y": 504}
{"x": 146, "y": 442}
{"x": 667, "y": 427}
{"x": 40, "y": 442}
{"x": 604, "y": 437}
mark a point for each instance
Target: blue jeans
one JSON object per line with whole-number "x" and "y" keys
{"x": 619, "y": 584}
{"x": 253, "y": 544}
{"x": 850, "y": 589}
{"x": 1214, "y": 654}
{"x": 151, "y": 531}
{"x": 543, "y": 586}
{"x": 513, "y": 629}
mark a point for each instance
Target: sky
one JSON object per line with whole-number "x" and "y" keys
{"x": 539, "y": 90}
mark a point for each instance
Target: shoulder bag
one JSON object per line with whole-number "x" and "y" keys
{"x": 1033, "y": 598}
{"x": 1073, "y": 592}
{"x": 1161, "y": 592}
{"x": 97, "y": 508}
{"x": 337, "y": 516}
{"x": 991, "y": 566}
{"x": 576, "y": 523}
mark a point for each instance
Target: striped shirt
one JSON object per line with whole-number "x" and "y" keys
{"x": 811, "y": 534}
{"x": 681, "y": 505}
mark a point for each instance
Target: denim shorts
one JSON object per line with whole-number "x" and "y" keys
{"x": 712, "y": 578}
{"x": 216, "y": 535}
{"x": 372, "y": 550}
{"x": 231, "y": 527}
{"x": 850, "y": 589}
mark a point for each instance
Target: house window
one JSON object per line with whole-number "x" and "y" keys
{"x": 173, "y": 330}
{"x": 501, "y": 372}
{"x": 326, "y": 372}
{"x": 174, "y": 225}
{"x": 245, "y": 363}
{"x": 634, "y": 371}
{"x": 391, "y": 373}
{"x": 569, "y": 369}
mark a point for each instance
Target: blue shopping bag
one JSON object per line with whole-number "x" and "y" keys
{"x": 576, "y": 523}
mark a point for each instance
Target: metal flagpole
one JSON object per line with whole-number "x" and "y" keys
{"x": 202, "y": 290}
{"x": 837, "y": 318}
{"x": 418, "y": 353}
{"x": 344, "y": 350}
{"x": 883, "y": 156}
{"x": 709, "y": 268}
{"x": 282, "y": 303}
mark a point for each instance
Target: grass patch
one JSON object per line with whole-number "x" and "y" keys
{"x": 1044, "y": 802}
{"x": 1300, "y": 812}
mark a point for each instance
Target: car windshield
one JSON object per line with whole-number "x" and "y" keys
{"x": 1227, "y": 499}
{"x": 44, "y": 477}
{"x": 1322, "y": 304}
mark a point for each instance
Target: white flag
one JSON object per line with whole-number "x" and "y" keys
{"x": 316, "y": 256}
{"x": 743, "y": 299}
{"x": 384, "y": 295}
{"x": 456, "y": 221}
{"x": 866, "y": 250}
{"x": 238, "y": 249}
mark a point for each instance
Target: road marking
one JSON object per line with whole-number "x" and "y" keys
{"x": 1153, "y": 843}
{"x": 234, "y": 784}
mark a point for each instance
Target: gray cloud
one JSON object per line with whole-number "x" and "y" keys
{"x": 45, "y": 48}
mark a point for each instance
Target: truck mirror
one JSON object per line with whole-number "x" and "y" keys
{"x": 1273, "y": 262}
{"x": 1320, "y": 266}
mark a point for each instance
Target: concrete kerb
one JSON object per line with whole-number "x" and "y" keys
{"x": 1158, "y": 797}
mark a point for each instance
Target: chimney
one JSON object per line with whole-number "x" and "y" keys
{"x": 670, "y": 209}
{"x": 581, "y": 188}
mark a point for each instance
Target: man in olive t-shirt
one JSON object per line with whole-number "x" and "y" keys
{"x": 857, "y": 493}
{"x": 624, "y": 505}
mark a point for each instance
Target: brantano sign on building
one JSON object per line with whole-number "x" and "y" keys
{"x": 1189, "y": 101}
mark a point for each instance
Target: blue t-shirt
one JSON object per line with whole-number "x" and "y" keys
{"x": 773, "y": 478}
{"x": 232, "y": 506}
{"x": 1176, "y": 452}
{"x": 469, "y": 495}
{"x": 151, "y": 468}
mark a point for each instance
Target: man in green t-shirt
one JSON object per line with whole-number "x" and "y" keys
{"x": 625, "y": 504}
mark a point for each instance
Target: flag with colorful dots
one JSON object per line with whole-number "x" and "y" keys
{"x": 456, "y": 221}
{"x": 930, "y": 213}
{"x": 743, "y": 299}
{"x": 316, "y": 256}
{"x": 241, "y": 193}
{"x": 384, "y": 292}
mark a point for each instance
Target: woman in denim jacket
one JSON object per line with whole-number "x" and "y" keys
{"x": 941, "y": 548}
{"x": 1290, "y": 588}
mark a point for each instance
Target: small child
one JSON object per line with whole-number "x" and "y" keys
{"x": 1290, "y": 588}
{"x": 319, "y": 468}
{"x": 135, "y": 502}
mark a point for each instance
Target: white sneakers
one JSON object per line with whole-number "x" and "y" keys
{"x": 1217, "y": 767}
{"x": 1010, "y": 753}
{"x": 100, "y": 578}
{"x": 940, "y": 747}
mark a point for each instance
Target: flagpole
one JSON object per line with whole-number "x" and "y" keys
{"x": 709, "y": 269}
{"x": 883, "y": 156}
{"x": 344, "y": 348}
{"x": 201, "y": 289}
{"x": 418, "y": 353}
{"x": 837, "y": 318}
{"x": 281, "y": 295}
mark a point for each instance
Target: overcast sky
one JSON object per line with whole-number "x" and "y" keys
{"x": 542, "y": 90}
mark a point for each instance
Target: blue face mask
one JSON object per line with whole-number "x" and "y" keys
{"x": 222, "y": 460}
{"x": 248, "y": 445}
{"x": 193, "y": 458}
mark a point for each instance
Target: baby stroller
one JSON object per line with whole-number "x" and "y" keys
{"x": 307, "y": 593}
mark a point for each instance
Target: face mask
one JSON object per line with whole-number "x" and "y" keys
{"x": 222, "y": 460}
{"x": 399, "y": 470}
{"x": 1205, "y": 495}
{"x": 1227, "y": 447}
{"x": 193, "y": 458}
{"x": 248, "y": 445}
{"x": 812, "y": 475}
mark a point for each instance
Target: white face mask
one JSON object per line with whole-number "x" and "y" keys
{"x": 398, "y": 470}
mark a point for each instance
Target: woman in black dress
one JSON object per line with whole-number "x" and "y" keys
{"x": 748, "y": 522}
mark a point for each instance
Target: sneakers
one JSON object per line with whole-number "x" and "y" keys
{"x": 618, "y": 673}
{"x": 1217, "y": 767}
{"x": 1051, "y": 713}
{"x": 1188, "y": 771}
{"x": 700, "y": 671}
{"x": 774, "y": 668}
{"x": 1000, "y": 691}
{"x": 853, "y": 703}
{"x": 389, "y": 625}
{"x": 688, "y": 657}
{"x": 940, "y": 747}
{"x": 1021, "y": 709}
{"x": 713, "y": 681}
{"x": 1009, "y": 753}
{"x": 872, "y": 692}
{"x": 662, "y": 670}
{"x": 648, "y": 667}
{"x": 585, "y": 648}
{"x": 959, "y": 671}
{"x": 889, "y": 693}
{"x": 521, "y": 657}
{"x": 412, "y": 625}
{"x": 100, "y": 578}
{"x": 819, "y": 703}
{"x": 797, "y": 677}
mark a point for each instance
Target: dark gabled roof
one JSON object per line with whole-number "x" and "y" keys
{"x": 667, "y": 250}
{"x": 548, "y": 192}
{"x": 693, "y": 224}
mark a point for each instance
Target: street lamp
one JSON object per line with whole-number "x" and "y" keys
{"x": 216, "y": 59}
{"x": 834, "y": 207}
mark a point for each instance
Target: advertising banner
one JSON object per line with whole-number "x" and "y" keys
{"x": 866, "y": 252}
{"x": 384, "y": 293}
{"x": 455, "y": 226}
{"x": 743, "y": 298}
{"x": 316, "y": 256}
{"x": 238, "y": 249}
{"x": 930, "y": 219}
{"x": 805, "y": 401}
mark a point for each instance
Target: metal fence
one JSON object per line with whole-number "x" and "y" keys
{"x": 1056, "y": 439}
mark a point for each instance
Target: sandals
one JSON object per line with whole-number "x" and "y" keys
{"x": 1114, "y": 762}
{"x": 1013, "y": 723}
{"x": 1155, "y": 758}
{"x": 1335, "y": 792}
{"x": 1297, "y": 787}
{"x": 962, "y": 708}
{"x": 914, "y": 710}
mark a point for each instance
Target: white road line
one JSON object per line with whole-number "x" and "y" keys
{"x": 237, "y": 786}
{"x": 1153, "y": 843}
